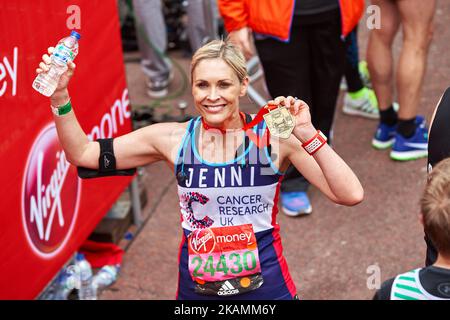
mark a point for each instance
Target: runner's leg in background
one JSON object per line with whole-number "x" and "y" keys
{"x": 327, "y": 69}
{"x": 351, "y": 73}
{"x": 358, "y": 100}
{"x": 287, "y": 72}
{"x": 379, "y": 54}
{"x": 417, "y": 19}
{"x": 152, "y": 39}
{"x": 202, "y": 24}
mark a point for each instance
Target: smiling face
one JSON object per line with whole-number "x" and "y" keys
{"x": 216, "y": 90}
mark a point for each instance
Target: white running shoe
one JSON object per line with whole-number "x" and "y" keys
{"x": 362, "y": 103}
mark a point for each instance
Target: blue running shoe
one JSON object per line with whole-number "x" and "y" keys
{"x": 412, "y": 148}
{"x": 295, "y": 203}
{"x": 384, "y": 137}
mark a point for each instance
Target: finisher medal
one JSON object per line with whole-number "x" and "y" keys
{"x": 279, "y": 121}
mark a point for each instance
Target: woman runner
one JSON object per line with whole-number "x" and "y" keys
{"x": 229, "y": 169}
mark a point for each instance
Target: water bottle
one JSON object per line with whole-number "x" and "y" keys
{"x": 105, "y": 277}
{"x": 87, "y": 291}
{"x": 64, "y": 285}
{"x": 66, "y": 50}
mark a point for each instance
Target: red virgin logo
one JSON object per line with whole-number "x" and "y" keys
{"x": 202, "y": 241}
{"x": 50, "y": 195}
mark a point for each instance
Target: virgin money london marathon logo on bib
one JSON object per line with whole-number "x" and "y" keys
{"x": 202, "y": 241}
{"x": 50, "y": 195}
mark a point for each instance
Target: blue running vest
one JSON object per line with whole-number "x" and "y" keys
{"x": 242, "y": 191}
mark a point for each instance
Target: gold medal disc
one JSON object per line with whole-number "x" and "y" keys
{"x": 280, "y": 122}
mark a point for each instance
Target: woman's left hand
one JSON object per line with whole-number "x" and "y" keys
{"x": 304, "y": 129}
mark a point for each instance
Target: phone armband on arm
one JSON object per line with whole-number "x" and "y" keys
{"x": 106, "y": 163}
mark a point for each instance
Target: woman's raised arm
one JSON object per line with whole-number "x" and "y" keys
{"x": 325, "y": 169}
{"x": 134, "y": 149}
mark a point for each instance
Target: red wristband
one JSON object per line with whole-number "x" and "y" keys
{"x": 315, "y": 143}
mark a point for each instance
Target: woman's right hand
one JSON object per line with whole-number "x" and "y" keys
{"x": 44, "y": 67}
{"x": 242, "y": 38}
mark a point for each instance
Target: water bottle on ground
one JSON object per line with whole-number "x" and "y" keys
{"x": 105, "y": 277}
{"x": 87, "y": 290}
{"x": 65, "y": 283}
{"x": 66, "y": 50}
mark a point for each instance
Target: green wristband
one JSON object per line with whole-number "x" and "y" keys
{"x": 62, "y": 110}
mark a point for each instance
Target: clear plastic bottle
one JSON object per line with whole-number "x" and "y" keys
{"x": 87, "y": 290}
{"x": 64, "y": 285}
{"x": 66, "y": 50}
{"x": 105, "y": 277}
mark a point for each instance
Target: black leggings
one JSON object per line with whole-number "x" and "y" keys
{"x": 351, "y": 73}
{"x": 310, "y": 66}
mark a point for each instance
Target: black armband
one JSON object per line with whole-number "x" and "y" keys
{"x": 106, "y": 163}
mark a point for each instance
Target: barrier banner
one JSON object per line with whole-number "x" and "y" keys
{"x": 46, "y": 211}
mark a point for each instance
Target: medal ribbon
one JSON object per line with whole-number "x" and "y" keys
{"x": 260, "y": 143}
{"x": 259, "y": 117}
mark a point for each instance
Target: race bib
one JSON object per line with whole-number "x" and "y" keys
{"x": 224, "y": 260}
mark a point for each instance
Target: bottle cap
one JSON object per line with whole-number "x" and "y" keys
{"x": 79, "y": 257}
{"x": 75, "y": 34}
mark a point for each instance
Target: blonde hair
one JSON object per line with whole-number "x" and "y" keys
{"x": 224, "y": 50}
{"x": 435, "y": 205}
